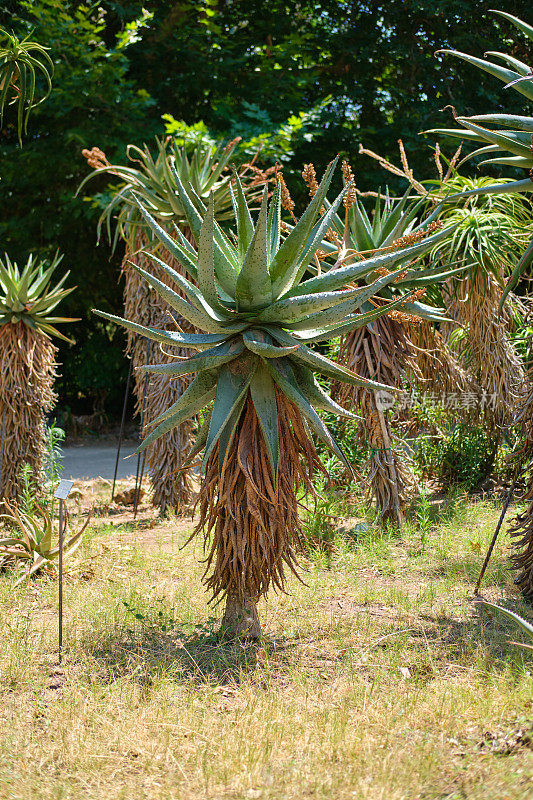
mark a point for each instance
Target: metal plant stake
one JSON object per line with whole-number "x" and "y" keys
{"x": 62, "y": 492}
{"x": 516, "y": 476}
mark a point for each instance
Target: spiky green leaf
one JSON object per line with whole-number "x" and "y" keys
{"x": 254, "y": 287}
{"x": 263, "y": 394}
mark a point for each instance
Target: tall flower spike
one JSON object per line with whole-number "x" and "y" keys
{"x": 286, "y": 200}
{"x": 347, "y": 173}
{"x": 309, "y": 176}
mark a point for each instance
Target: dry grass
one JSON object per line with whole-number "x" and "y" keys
{"x": 376, "y": 680}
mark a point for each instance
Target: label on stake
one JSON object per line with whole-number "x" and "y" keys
{"x": 63, "y": 490}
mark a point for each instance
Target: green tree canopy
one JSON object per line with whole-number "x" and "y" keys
{"x": 241, "y": 67}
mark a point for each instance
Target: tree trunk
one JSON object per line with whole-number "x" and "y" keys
{"x": 27, "y": 373}
{"x": 172, "y": 487}
{"x": 240, "y": 620}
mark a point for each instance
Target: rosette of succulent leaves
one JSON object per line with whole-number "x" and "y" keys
{"x": 506, "y": 140}
{"x": 206, "y": 169}
{"x": 382, "y": 349}
{"x": 21, "y": 60}
{"x": 261, "y": 317}
{"x": 30, "y": 541}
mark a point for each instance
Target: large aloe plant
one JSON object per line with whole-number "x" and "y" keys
{"x": 206, "y": 169}
{"x": 506, "y": 139}
{"x": 152, "y": 180}
{"x": 491, "y": 232}
{"x": 383, "y": 349}
{"x": 28, "y": 320}
{"x": 26, "y": 295}
{"x": 261, "y": 317}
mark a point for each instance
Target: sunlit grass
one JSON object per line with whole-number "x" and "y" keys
{"x": 377, "y": 678}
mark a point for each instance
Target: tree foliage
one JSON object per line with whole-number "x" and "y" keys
{"x": 240, "y": 67}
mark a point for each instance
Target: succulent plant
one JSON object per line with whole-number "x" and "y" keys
{"x": 506, "y": 138}
{"x": 28, "y": 301}
{"x": 509, "y": 135}
{"x": 259, "y": 317}
{"x": 206, "y": 169}
{"x": 255, "y": 360}
{"x": 21, "y": 60}
{"x": 384, "y": 350}
{"x": 26, "y": 295}
{"x": 33, "y": 542}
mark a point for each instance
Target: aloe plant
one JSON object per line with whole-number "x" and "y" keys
{"x": 28, "y": 321}
{"x": 152, "y": 180}
{"x": 505, "y": 138}
{"x": 21, "y": 60}
{"x": 206, "y": 169}
{"x": 26, "y": 295}
{"x": 33, "y": 542}
{"x": 255, "y": 362}
{"x": 492, "y": 233}
{"x": 383, "y": 349}
{"x": 508, "y": 139}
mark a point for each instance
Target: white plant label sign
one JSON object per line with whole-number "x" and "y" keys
{"x": 63, "y": 490}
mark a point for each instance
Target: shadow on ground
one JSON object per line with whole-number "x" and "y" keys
{"x": 450, "y": 637}
{"x": 145, "y": 652}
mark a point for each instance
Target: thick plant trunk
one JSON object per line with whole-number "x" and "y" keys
{"x": 475, "y": 306}
{"x": 240, "y": 620}
{"x": 382, "y": 354}
{"x": 27, "y": 373}
{"x": 521, "y": 528}
{"x": 172, "y": 487}
{"x": 440, "y": 370}
{"x": 251, "y": 526}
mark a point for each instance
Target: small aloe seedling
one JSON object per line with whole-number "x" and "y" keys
{"x": 33, "y": 543}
